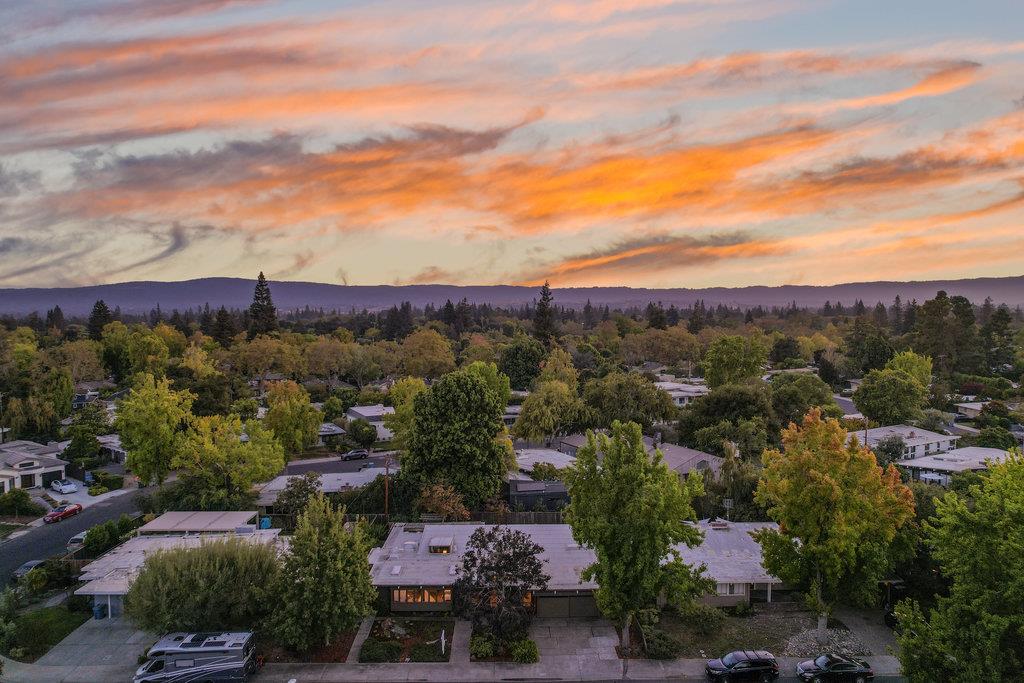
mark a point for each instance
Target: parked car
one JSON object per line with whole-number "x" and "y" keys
{"x": 743, "y": 665}
{"x": 356, "y": 454}
{"x": 77, "y": 541}
{"x": 62, "y": 512}
{"x": 831, "y": 668}
{"x": 64, "y": 486}
{"x": 19, "y": 573}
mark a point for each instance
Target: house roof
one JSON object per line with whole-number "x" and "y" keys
{"x": 113, "y": 572}
{"x": 330, "y": 482}
{"x": 528, "y": 458}
{"x": 729, "y": 552}
{"x": 370, "y": 413}
{"x": 912, "y": 436}
{"x": 13, "y": 453}
{"x": 330, "y": 429}
{"x": 682, "y": 460}
{"x": 968, "y": 459}
{"x": 683, "y": 388}
{"x": 185, "y": 522}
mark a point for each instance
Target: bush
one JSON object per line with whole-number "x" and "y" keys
{"x": 704, "y": 618}
{"x": 744, "y": 609}
{"x": 79, "y": 603}
{"x": 100, "y": 538}
{"x": 524, "y": 651}
{"x": 428, "y": 652}
{"x": 481, "y": 646}
{"x": 661, "y": 645}
{"x": 98, "y": 490}
{"x": 18, "y": 502}
{"x": 378, "y": 651}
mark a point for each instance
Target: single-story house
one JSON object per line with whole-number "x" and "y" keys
{"x": 682, "y": 460}
{"x": 940, "y": 467}
{"x": 28, "y": 465}
{"x": 330, "y": 482}
{"x": 527, "y": 494}
{"x": 916, "y": 441}
{"x": 570, "y": 443}
{"x": 328, "y": 433}
{"x": 683, "y": 393}
{"x": 529, "y": 458}
{"x": 418, "y": 564}
{"x": 374, "y": 415}
{"x": 733, "y": 559}
{"x": 110, "y": 446}
{"x": 970, "y": 409}
{"x": 108, "y": 578}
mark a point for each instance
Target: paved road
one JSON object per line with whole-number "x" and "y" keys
{"x": 337, "y": 465}
{"x": 845, "y": 404}
{"x": 49, "y": 540}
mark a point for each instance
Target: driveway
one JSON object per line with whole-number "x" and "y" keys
{"x": 49, "y": 540}
{"x": 82, "y": 497}
{"x": 104, "y": 642}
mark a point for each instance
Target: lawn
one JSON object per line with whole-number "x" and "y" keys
{"x": 768, "y": 628}
{"x": 37, "y": 631}
{"x": 407, "y": 640}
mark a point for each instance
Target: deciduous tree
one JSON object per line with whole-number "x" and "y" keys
{"x": 152, "y": 421}
{"x": 293, "y": 419}
{"x": 890, "y": 397}
{"x": 427, "y": 354}
{"x": 627, "y": 397}
{"x": 734, "y": 359}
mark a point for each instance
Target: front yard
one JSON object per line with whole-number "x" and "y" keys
{"x": 335, "y": 651}
{"x": 408, "y": 640}
{"x": 37, "y": 631}
{"x": 8, "y": 529}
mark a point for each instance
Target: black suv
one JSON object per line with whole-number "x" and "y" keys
{"x": 830, "y": 668}
{"x": 743, "y": 665}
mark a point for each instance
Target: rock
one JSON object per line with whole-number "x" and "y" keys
{"x": 840, "y": 641}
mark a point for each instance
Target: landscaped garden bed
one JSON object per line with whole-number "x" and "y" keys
{"x": 484, "y": 647}
{"x": 407, "y": 640}
{"x": 335, "y": 651}
{"x": 37, "y": 631}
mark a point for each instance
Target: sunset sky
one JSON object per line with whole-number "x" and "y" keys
{"x": 653, "y": 143}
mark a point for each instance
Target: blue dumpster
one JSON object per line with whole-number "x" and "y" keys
{"x": 99, "y": 610}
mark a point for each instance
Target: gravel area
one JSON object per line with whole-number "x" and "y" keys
{"x": 840, "y": 641}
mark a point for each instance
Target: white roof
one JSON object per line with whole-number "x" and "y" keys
{"x": 683, "y": 389}
{"x": 199, "y": 522}
{"x": 330, "y": 482}
{"x": 113, "y": 572}
{"x": 528, "y": 458}
{"x": 729, "y": 552}
{"x": 370, "y": 413}
{"x": 912, "y": 436}
{"x": 970, "y": 458}
{"x": 330, "y": 429}
{"x": 972, "y": 405}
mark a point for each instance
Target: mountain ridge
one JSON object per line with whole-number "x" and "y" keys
{"x": 141, "y": 296}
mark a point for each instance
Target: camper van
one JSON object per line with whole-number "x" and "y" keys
{"x": 180, "y": 657}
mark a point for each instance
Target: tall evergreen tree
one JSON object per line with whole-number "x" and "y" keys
{"x": 262, "y": 314}
{"x": 55, "y": 319}
{"x": 223, "y": 328}
{"x": 99, "y": 317}
{"x": 545, "y": 326}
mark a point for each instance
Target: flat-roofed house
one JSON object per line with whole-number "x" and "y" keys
{"x": 916, "y": 441}
{"x": 683, "y": 393}
{"x": 191, "y": 522}
{"x": 733, "y": 559}
{"x": 375, "y": 416}
{"x": 29, "y": 465}
{"x": 940, "y": 467}
{"x": 330, "y": 482}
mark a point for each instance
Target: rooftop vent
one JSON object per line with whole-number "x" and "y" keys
{"x": 396, "y": 570}
{"x": 410, "y": 546}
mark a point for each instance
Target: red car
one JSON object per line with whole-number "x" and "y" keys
{"x": 62, "y": 512}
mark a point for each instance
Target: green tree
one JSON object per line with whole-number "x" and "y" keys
{"x": 521, "y": 360}
{"x": 996, "y": 437}
{"x": 627, "y": 397}
{"x": 98, "y": 319}
{"x": 427, "y": 354}
{"x": 455, "y": 423}
{"x": 632, "y": 511}
{"x": 547, "y": 412}
{"x": 974, "y": 633}
{"x": 795, "y": 393}
{"x": 558, "y": 367}
{"x": 838, "y": 514}
{"x": 889, "y": 450}
{"x": 262, "y": 314}
{"x": 246, "y": 409}
{"x": 325, "y": 586}
{"x": 293, "y": 419}
{"x": 217, "y": 586}
{"x": 545, "y": 322}
{"x": 152, "y": 421}
{"x": 917, "y": 366}
{"x": 734, "y": 359}
{"x": 495, "y": 380}
{"x": 890, "y": 397}
{"x": 402, "y": 395}
{"x": 215, "y": 458}
{"x": 362, "y": 432}
{"x": 742, "y": 413}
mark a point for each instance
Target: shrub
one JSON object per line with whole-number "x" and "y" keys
{"x": 35, "y": 581}
{"x": 79, "y": 603}
{"x": 97, "y": 490}
{"x": 704, "y": 618}
{"x": 18, "y": 502}
{"x": 101, "y": 538}
{"x": 377, "y": 651}
{"x": 524, "y": 651}
{"x": 481, "y": 646}
{"x": 744, "y": 609}
{"x": 428, "y": 652}
{"x": 661, "y": 645}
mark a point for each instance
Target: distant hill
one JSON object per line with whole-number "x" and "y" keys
{"x": 140, "y": 297}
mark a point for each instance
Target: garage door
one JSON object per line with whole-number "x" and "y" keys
{"x": 50, "y": 477}
{"x": 567, "y": 606}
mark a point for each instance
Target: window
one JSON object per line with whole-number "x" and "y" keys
{"x": 184, "y": 663}
{"x": 411, "y": 596}
{"x": 440, "y": 549}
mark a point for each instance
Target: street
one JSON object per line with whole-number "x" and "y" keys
{"x": 845, "y": 404}
{"x": 49, "y": 540}
{"x": 337, "y": 465}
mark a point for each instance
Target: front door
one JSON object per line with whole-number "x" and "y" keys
{"x": 28, "y": 481}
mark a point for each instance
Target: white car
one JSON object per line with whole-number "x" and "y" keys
{"x": 77, "y": 541}
{"x": 64, "y": 486}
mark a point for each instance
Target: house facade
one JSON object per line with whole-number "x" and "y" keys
{"x": 683, "y": 393}
{"x": 29, "y": 465}
{"x": 917, "y": 442}
{"x": 941, "y": 467}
